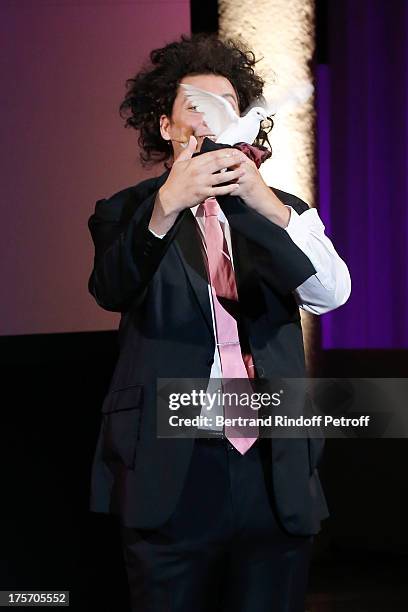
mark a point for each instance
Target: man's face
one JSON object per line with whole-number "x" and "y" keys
{"x": 185, "y": 119}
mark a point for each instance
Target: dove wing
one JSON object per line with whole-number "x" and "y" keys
{"x": 283, "y": 99}
{"x": 291, "y": 98}
{"x": 218, "y": 113}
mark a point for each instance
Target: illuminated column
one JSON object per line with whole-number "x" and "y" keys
{"x": 281, "y": 32}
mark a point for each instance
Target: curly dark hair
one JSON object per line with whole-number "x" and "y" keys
{"x": 151, "y": 93}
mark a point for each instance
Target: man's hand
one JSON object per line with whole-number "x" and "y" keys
{"x": 256, "y": 193}
{"x": 191, "y": 181}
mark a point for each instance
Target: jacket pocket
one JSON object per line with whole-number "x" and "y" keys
{"x": 122, "y": 417}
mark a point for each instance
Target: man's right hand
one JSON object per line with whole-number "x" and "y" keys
{"x": 191, "y": 181}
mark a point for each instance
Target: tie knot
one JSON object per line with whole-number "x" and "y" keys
{"x": 211, "y": 207}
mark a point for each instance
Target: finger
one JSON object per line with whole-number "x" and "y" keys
{"x": 225, "y": 177}
{"x": 214, "y": 160}
{"x": 219, "y": 153}
{"x": 228, "y": 161}
{"x": 189, "y": 150}
{"x": 242, "y": 157}
{"x": 224, "y": 190}
{"x": 239, "y": 164}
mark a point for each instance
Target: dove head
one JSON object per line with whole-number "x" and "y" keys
{"x": 186, "y": 119}
{"x": 259, "y": 112}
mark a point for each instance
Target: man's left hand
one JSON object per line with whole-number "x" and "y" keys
{"x": 258, "y": 195}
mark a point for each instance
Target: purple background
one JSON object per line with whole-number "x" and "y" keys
{"x": 362, "y": 143}
{"x": 63, "y": 70}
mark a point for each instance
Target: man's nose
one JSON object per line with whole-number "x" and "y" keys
{"x": 202, "y": 122}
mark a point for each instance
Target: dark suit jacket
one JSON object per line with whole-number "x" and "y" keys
{"x": 160, "y": 287}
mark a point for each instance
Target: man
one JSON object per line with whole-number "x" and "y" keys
{"x": 207, "y": 523}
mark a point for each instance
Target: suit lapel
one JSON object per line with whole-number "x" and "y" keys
{"x": 188, "y": 247}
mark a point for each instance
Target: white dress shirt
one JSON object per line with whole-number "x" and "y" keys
{"x": 326, "y": 290}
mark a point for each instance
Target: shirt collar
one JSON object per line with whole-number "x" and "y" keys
{"x": 198, "y": 214}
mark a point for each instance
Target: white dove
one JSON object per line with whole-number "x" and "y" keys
{"x": 228, "y": 127}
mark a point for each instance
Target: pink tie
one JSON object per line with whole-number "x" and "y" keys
{"x": 225, "y": 300}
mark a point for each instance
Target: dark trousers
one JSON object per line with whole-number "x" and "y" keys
{"x": 222, "y": 549}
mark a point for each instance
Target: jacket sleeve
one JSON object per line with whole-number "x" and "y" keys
{"x": 279, "y": 261}
{"x": 127, "y": 254}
